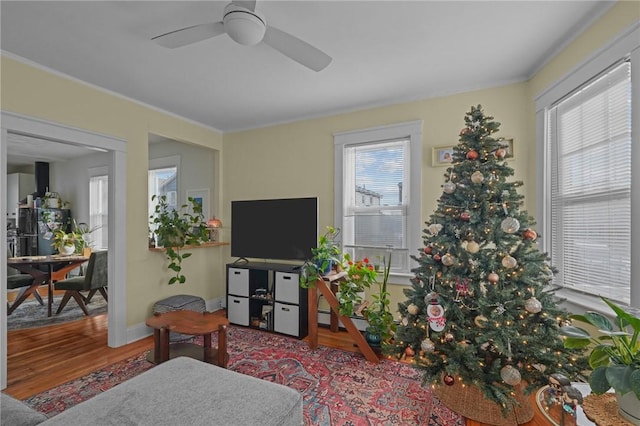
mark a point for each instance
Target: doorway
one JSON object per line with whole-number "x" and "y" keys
{"x": 28, "y": 126}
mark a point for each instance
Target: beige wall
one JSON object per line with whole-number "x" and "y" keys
{"x": 297, "y": 159}
{"x": 36, "y": 93}
{"x": 288, "y": 160}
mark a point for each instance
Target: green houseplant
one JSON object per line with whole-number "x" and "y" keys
{"x": 378, "y": 315}
{"x": 67, "y": 242}
{"x": 614, "y": 357}
{"x": 326, "y": 256}
{"x": 177, "y": 228}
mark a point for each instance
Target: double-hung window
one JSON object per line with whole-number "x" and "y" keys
{"x": 99, "y": 208}
{"x": 378, "y": 173}
{"x": 589, "y": 124}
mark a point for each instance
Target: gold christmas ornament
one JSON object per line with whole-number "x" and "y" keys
{"x": 448, "y": 337}
{"x": 509, "y": 262}
{"x": 493, "y": 278}
{"x": 480, "y": 321}
{"x": 533, "y": 305}
{"x": 447, "y": 260}
{"x": 413, "y": 309}
{"x": 477, "y": 177}
{"x": 472, "y": 247}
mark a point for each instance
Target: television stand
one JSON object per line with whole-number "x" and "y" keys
{"x": 267, "y": 296}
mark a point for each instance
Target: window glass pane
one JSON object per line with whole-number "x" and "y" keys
{"x": 163, "y": 181}
{"x": 375, "y": 216}
{"x": 590, "y": 135}
{"x": 99, "y": 212}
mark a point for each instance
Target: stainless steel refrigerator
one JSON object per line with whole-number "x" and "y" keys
{"x": 36, "y": 227}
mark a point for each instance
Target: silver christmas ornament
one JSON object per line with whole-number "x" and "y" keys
{"x": 427, "y": 345}
{"x": 447, "y": 260}
{"x": 449, "y": 187}
{"x": 510, "y": 375}
{"x": 510, "y": 225}
{"x": 509, "y": 262}
{"x": 477, "y": 177}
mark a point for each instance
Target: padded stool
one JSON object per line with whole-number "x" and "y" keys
{"x": 180, "y": 302}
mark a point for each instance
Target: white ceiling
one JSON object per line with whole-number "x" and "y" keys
{"x": 383, "y": 52}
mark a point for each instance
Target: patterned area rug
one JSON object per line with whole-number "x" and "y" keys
{"x": 338, "y": 387}
{"x": 31, "y": 314}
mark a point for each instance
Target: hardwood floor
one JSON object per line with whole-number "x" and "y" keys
{"x": 42, "y": 358}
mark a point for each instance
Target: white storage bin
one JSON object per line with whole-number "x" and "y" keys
{"x": 239, "y": 282}
{"x": 286, "y": 318}
{"x": 238, "y": 310}
{"x": 287, "y": 288}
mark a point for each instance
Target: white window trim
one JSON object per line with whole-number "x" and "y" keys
{"x": 411, "y": 130}
{"x": 626, "y": 44}
{"x": 97, "y": 172}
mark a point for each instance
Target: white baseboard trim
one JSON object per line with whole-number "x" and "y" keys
{"x": 140, "y": 331}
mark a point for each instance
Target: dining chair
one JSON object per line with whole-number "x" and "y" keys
{"x": 17, "y": 280}
{"x": 94, "y": 280}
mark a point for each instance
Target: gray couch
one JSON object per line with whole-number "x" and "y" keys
{"x": 181, "y": 391}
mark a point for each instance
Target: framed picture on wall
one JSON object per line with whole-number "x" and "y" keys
{"x": 201, "y": 196}
{"x": 508, "y": 147}
{"x": 442, "y": 155}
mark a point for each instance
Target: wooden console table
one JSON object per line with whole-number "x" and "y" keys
{"x": 356, "y": 335}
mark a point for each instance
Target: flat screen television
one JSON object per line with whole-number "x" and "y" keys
{"x": 279, "y": 229}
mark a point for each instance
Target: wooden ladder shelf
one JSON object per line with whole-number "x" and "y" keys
{"x": 353, "y": 331}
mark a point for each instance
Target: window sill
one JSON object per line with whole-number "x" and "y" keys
{"x": 189, "y": 247}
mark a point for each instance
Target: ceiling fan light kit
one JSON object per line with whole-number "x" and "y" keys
{"x": 243, "y": 26}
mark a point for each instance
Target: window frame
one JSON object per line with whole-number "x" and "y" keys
{"x": 163, "y": 163}
{"x": 96, "y": 172}
{"x": 626, "y": 45}
{"x": 412, "y": 131}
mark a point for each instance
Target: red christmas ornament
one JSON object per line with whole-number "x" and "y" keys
{"x": 449, "y": 380}
{"x": 500, "y": 153}
{"x": 409, "y": 351}
{"x": 436, "y": 257}
{"x": 529, "y": 234}
{"x": 428, "y": 249}
{"x": 464, "y": 131}
{"x": 465, "y": 215}
{"x": 472, "y": 155}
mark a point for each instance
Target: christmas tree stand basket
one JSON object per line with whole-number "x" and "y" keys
{"x": 470, "y": 402}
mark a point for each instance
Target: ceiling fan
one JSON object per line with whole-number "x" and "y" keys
{"x": 246, "y": 26}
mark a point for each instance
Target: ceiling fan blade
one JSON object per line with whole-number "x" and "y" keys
{"x": 296, "y": 49}
{"x": 184, "y": 36}
{"x": 251, "y": 5}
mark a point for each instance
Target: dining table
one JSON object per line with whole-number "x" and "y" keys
{"x": 45, "y": 270}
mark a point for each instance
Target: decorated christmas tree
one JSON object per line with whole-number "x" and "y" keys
{"x": 480, "y": 311}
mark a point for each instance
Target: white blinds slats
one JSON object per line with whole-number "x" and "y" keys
{"x": 590, "y": 133}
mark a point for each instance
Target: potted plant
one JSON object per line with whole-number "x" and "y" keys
{"x": 177, "y": 228}
{"x": 378, "y": 315}
{"x": 66, "y": 243}
{"x": 84, "y": 243}
{"x": 325, "y": 257}
{"x": 614, "y": 357}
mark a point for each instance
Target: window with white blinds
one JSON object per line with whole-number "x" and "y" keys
{"x": 377, "y": 193}
{"x": 99, "y": 211}
{"x": 589, "y": 133}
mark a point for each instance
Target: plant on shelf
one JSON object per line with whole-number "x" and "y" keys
{"x": 325, "y": 257}
{"x": 614, "y": 357}
{"x": 177, "y": 228}
{"x": 378, "y": 315}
